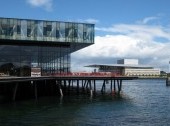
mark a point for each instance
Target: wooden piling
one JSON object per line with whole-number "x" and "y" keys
{"x": 87, "y": 83}
{"x": 111, "y": 86}
{"x": 35, "y": 90}
{"x": 15, "y": 91}
{"x": 59, "y": 86}
{"x": 94, "y": 86}
{"x": 77, "y": 86}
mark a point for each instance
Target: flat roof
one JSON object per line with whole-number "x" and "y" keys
{"x": 120, "y": 65}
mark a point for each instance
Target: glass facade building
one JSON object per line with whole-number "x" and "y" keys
{"x": 28, "y": 43}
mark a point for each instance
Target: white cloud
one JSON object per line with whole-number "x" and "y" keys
{"x": 89, "y": 20}
{"x": 128, "y": 41}
{"x": 137, "y": 30}
{"x": 148, "y": 19}
{"x": 46, "y": 4}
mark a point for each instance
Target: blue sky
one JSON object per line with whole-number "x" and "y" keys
{"x": 124, "y": 28}
{"x": 106, "y": 12}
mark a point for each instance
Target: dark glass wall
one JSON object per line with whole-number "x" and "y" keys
{"x": 18, "y": 60}
{"x": 53, "y": 42}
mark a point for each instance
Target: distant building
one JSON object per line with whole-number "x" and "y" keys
{"x": 128, "y": 61}
{"x": 127, "y": 67}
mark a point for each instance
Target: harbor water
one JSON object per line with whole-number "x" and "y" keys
{"x": 142, "y": 102}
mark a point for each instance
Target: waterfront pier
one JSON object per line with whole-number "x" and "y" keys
{"x": 168, "y": 80}
{"x": 14, "y": 88}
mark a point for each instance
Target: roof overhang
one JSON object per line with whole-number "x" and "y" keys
{"x": 120, "y": 66}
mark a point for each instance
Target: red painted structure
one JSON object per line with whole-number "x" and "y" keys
{"x": 88, "y": 74}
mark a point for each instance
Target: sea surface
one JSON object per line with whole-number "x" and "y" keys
{"x": 143, "y": 102}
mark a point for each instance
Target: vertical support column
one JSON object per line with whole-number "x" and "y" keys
{"x": 94, "y": 86}
{"x": 119, "y": 84}
{"x": 65, "y": 86}
{"x": 114, "y": 85}
{"x": 45, "y": 90}
{"x": 77, "y": 86}
{"x": 15, "y": 91}
{"x": 111, "y": 86}
{"x": 91, "y": 91}
{"x": 85, "y": 81}
{"x": 103, "y": 86}
{"x": 82, "y": 84}
{"x": 87, "y": 84}
{"x": 72, "y": 84}
{"x": 35, "y": 90}
{"x": 69, "y": 83}
{"x": 59, "y": 85}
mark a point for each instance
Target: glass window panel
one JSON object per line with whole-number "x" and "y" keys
{"x": 4, "y": 28}
{"x": 33, "y": 30}
{"x": 23, "y": 29}
{"x": 45, "y": 31}
{"x": 0, "y": 28}
{"x": 14, "y": 29}
{"x": 80, "y": 32}
{"x": 11, "y": 28}
{"x": 49, "y": 31}
{"x": 53, "y": 31}
{"x": 57, "y": 30}
{"x": 92, "y": 41}
{"x": 28, "y": 29}
{"x": 39, "y": 30}
{"x": 18, "y": 29}
{"x": 7, "y": 28}
{"x": 10, "y": 31}
{"x": 70, "y": 32}
{"x": 62, "y": 32}
{"x": 75, "y": 32}
{"x": 66, "y": 31}
{"x": 85, "y": 33}
{"x": 88, "y": 33}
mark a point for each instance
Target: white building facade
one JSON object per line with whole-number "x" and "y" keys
{"x": 141, "y": 72}
{"x": 127, "y": 67}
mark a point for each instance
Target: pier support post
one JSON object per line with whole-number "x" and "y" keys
{"x": 94, "y": 86}
{"x": 168, "y": 81}
{"x": 111, "y": 86}
{"x": 77, "y": 86}
{"x": 65, "y": 86}
{"x": 59, "y": 85}
{"x": 87, "y": 84}
{"x": 91, "y": 91}
{"x": 119, "y": 84}
{"x": 35, "y": 90}
{"x": 104, "y": 86}
{"x": 72, "y": 84}
{"x": 69, "y": 83}
{"x": 114, "y": 85}
{"x": 15, "y": 91}
{"x": 84, "y": 85}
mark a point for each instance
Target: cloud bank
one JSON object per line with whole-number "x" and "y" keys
{"x": 149, "y": 43}
{"x": 46, "y": 4}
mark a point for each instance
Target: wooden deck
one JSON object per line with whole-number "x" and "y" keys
{"x": 9, "y": 85}
{"x": 22, "y": 79}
